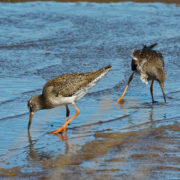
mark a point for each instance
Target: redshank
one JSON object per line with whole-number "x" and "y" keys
{"x": 63, "y": 90}
{"x": 150, "y": 65}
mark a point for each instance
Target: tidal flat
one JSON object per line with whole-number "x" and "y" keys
{"x": 131, "y": 140}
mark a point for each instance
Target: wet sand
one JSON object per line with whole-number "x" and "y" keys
{"x": 132, "y": 140}
{"x": 143, "y": 154}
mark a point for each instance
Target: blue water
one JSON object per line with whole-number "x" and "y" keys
{"x": 41, "y": 40}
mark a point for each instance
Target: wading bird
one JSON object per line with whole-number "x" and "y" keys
{"x": 150, "y": 65}
{"x": 64, "y": 90}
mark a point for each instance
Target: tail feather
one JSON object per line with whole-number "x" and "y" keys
{"x": 107, "y": 67}
{"x": 101, "y": 72}
{"x": 152, "y": 46}
{"x": 149, "y": 47}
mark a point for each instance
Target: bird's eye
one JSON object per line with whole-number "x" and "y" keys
{"x": 31, "y": 105}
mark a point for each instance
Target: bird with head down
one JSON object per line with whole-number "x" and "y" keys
{"x": 149, "y": 64}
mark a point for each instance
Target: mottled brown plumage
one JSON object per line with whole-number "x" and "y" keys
{"x": 150, "y": 65}
{"x": 68, "y": 84}
{"x": 64, "y": 90}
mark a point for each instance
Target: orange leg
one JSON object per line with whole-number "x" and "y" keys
{"x": 130, "y": 79}
{"x": 62, "y": 128}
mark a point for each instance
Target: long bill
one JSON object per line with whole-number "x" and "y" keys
{"x": 130, "y": 79}
{"x": 30, "y": 119}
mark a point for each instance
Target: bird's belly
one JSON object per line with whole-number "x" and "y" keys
{"x": 151, "y": 77}
{"x": 54, "y": 101}
{"x": 60, "y": 101}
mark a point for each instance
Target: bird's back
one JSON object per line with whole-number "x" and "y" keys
{"x": 68, "y": 84}
{"x": 146, "y": 59}
{"x": 153, "y": 58}
{"x": 149, "y": 63}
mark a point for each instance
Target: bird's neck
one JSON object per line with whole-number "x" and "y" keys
{"x": 40, "y": 102}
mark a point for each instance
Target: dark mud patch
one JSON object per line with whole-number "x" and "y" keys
{"x": 10, "y": 172}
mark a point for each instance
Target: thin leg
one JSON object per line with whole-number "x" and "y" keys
{"x": 67, "y": 113}
{"x": 67, "y": 122}
{"x": 151, "y": 90}
{"x": 130, "y": 79}
{"x": 162, "y": 88}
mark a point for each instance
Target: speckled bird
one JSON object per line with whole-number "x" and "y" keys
{"x": 64, "y": 90}
{"x": 149, "y": 64}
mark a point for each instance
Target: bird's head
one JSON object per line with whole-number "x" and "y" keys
{"x": 136, "y": 54}
{"x": 34, "y": 104}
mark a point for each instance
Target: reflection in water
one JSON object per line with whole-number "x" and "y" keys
{"x": 64, "y": 138}
{"x": 37, "y": 156}
{"x": 151, "y": 114}
{"x": 121, "y": 105}
{"x": 32, "y": 154}
{"x": 135, "y": 107}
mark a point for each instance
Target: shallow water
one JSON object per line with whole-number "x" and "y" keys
{"x": 133, "y": 140}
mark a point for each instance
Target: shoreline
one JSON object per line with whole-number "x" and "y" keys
{"x": 98, "y": 1}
